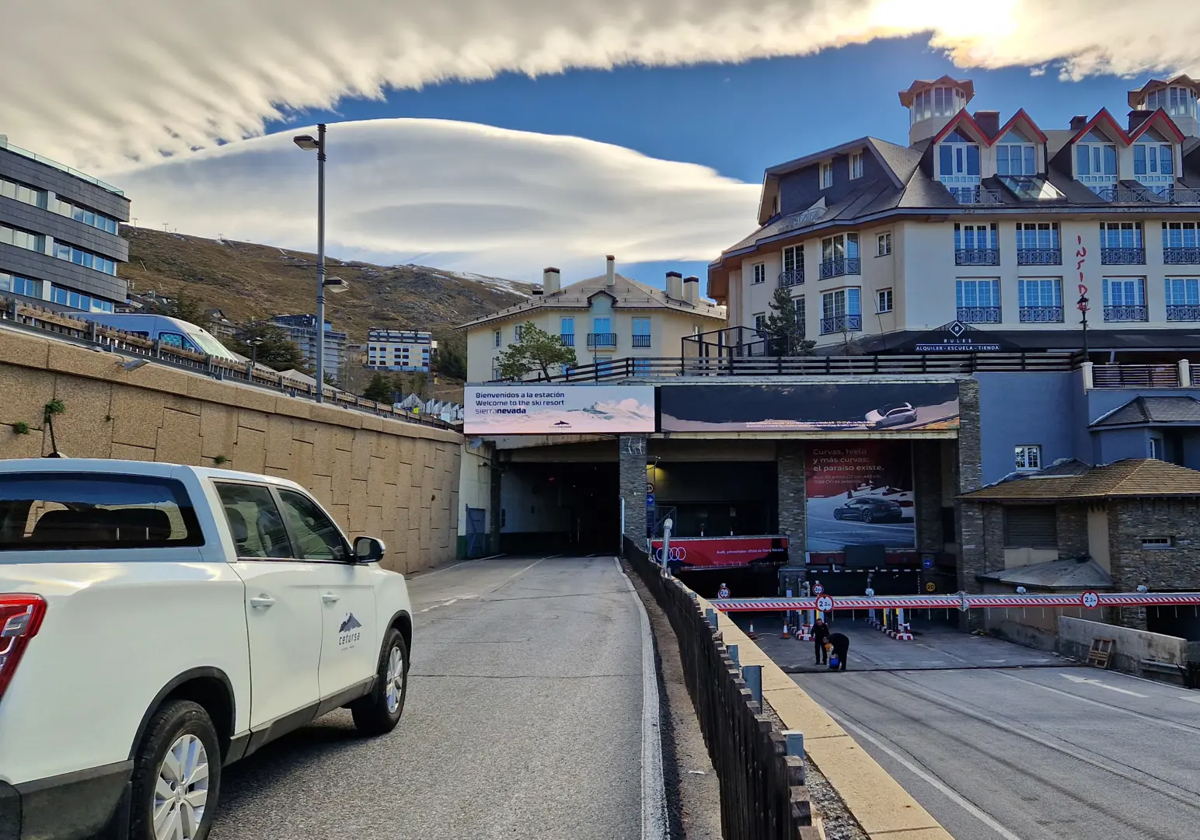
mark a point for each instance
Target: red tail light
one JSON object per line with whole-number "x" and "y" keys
{"x": 20, "y": 619}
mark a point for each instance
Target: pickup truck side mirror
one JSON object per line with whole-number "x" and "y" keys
{"x": 369, "y": 549}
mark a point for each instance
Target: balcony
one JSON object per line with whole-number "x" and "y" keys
{"x": 841, "y": 323}
{"x": 1041, "y": 314}
{"x": 1124, "y": 314}
{"x": 1039, "y": 256}
{"x": 1115, "y": 194}
{"x": 840, "y": 266}
{"x": 979, "y": 314}
{"x": 567, "y": 339}
{"x": 1123, "y": 256}
{"x": 1181, "y": 256}
{"x": 1183, "y": 312}
{"x": 641, "y": 341}
{"x": 976, "y": 195}
{"x": 602, "y": 340}
{"x": 977, "y": 256}
{"x": 791, "y": 278}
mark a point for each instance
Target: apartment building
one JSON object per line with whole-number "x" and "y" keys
{"x": 302, "y": 330}
{"x": 59, "y": 239}
{"x": 400, "y": 350}
{"x": 986, "y": 224}
{"x": 604, "y": 317}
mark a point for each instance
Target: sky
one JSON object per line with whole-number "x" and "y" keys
{"x": 501, "y": 136}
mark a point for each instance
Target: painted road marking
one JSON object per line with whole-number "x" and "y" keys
{"x": 1086, "y": 681}
{"x": 1170, "y": 724}
{"x": 947, "y": 791}
{"x": 1191, "y": 699}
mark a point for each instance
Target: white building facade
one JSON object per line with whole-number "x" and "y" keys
{"x": 409, "y": 351}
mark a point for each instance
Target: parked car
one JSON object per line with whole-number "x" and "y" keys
{"x": 894, "y": 414}
{"x": 158, "y": 622}
{"x": 870, "y": 509}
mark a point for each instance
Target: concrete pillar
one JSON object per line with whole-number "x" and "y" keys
{"x": 633, "y": 485}
{"x": 1185, "y": 373}
{"x": 792, "y": 511}
{"x": 494, "y": 504}
{"x": 1088, "y": 381}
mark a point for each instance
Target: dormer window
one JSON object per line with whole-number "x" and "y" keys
{"x": 1153, "y": 159}
{"x": 826, "y": 175}
{"x": 1096, "y": 161}
{"x": 937, "y": 102}
{"x": 1176, "y": 101}
{"x": 856, "y": 165}
{"x": 1015, "y": 155}
{"x": 958, "y": 155}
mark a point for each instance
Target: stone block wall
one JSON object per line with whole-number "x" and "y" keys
{"x": 397, "y": 481}
{"x": 793, "y": 510}
{"x": 1177, "y": 568}
{"x": 632, "y": 478}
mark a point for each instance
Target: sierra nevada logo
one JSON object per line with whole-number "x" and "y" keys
{"x": 349, "y": 633}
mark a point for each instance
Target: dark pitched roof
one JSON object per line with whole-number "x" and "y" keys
{"x": 1131, "y": 478}
{"x": 1153, "y": 410}
{"x": 1070, "y": 575}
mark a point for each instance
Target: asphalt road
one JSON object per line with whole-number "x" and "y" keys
{"x": 523, "y": 720}
{"x": 1024, "y": 748}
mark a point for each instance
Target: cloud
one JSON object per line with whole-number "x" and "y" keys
{"x": 451, "y": 194}
{"x": 89, "y": 83}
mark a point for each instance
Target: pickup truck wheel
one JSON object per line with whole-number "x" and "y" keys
{"x": 379, "y": 712}
{"x": 176, "y": 775}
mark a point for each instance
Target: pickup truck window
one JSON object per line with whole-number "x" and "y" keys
{"x": 316, "y": 537}
{"x": 254, "y": 520}
{"x": 56, "y": 511}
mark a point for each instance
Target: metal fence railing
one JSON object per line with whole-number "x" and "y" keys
{"x": 35, "y": 319}
{"x": 763, "y": 795}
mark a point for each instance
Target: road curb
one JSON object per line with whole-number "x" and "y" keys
{"x": 883, "y": 808}
{"x": 654, "y": 792}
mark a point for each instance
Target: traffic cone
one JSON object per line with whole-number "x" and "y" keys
{"x": 785, "y": 630}
{"x": 751, "y": 633}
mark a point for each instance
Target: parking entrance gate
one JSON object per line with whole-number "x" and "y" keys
{"x": 476, "y": 532}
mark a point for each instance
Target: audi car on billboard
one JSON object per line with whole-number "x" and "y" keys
{"x": 894, "y": 414}
{"x": 870, "y": 509}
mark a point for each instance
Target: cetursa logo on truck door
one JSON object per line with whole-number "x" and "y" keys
{"x": 349, "y": 632}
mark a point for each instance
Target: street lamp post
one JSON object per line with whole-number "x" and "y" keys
{"x": 306, "y": 142}
{"x": 254, "y": 343}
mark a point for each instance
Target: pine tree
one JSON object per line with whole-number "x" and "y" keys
{"x": 786, "y": 333}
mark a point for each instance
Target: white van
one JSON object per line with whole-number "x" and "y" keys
{"x": 172, "y": 332}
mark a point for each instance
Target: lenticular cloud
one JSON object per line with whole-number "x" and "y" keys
{"x": 100, "y": 84}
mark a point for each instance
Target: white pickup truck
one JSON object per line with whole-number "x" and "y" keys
{"x": 158, "y": 622}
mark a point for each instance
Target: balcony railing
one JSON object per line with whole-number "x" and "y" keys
{"x": 1183, "y": 312}
{"x": 793, "y": 277}
{"x": 841, "y": 323}
{"x": 602, "y": 340}
{"x": 979, "y": 314}
{"x": 976, "y": 195}
{"x": 641, "y": 341}
{"x": 1148, "y": 195}
{"x": 567, "y": 339}
{"x": 977, "y": 256}
{"x": 1041, "y": 314}
{"x": 1124, "y": 314}
{"x": 840, "y": 266}
{"x": 1181, "y": 256}
{"x": 1123, "y": 256}
{"x": 1039, "y": 256}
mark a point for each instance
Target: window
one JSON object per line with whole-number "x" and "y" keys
{"x": 978, "y": 300}
{"x": 1153, "y": 158}
{"x": 856, "y": 165}
{"x": 841, "y": 311}
{"x": 1029, "y": 457}
{"x": 1040, "y": 300}
{"x": 641, "y": 332}
{"x": 84, "y": 258}
{"x": 86, "y": 216}
{"x": 316, "y": 537}
{"x": 1015, "y": 158}
{"x": 760, "y": 322}
{"x": 1156, "y": 448}
{"x": 1096, "y": 159}
{"x": 1121, "y": 243}
{"x": 1176, "y": 101}
{"x": 1157, "y": 543}
{"x": 495, "y": 338}
{"x": 254, "y": 521}
{"x": 839, "y": 255}
{"x": 940, "y": 102}
{"x": 760, "y": 273}
{"x": 22, "y": 193}
{"x": 1183, "y": 299}
{"x": 1181, "y": 246}
{"x": 1124, "y": 299}
{"x": 518, "y": 331}
{"x": 958, "y": 157}
{"x": 64, "y": 511}
{"x": 566, "y": 331}
{"x": 884, "y": 300}
{"x": 22, "y": 239}
{"x": 976, "y": 244}
{"x": 1030, "y": 526}
{"x": 883, "y": 244}
{"x": 1038, "y": 243}
{"x": 793, "y": 266}
{"x": 642, "y": 367}
{"x": 800, "y": 315}
{"x": 826, "y": 175}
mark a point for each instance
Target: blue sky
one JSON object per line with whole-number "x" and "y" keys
{"x": 736, "y": 118}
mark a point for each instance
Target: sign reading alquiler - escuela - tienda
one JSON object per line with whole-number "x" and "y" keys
{"x": 551, "y": 409}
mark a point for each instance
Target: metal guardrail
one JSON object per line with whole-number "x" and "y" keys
{"x": 1136, "y": 376}
{"x": 89, "y": 333}
{"x": 962, "y": 601}
{"x": 763, "y": 796}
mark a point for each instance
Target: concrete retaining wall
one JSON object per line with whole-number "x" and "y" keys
{"x": 1131, "y": 646}
{"x": 393, "y": 480}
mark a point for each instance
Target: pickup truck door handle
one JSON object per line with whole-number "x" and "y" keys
{"x": 262, "y": 602}
{"x": 329, "y": 598}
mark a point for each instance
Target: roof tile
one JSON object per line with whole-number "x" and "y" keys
{"x": 1131, "y": 478}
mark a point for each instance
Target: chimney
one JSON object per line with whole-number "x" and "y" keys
{"x": 691, "y": 290}
{"x": 610, "y": 279}
{"x": 988, "y": 122}
{"x": 1136, "y": 118}
{"x": 1078, "y": 122}
{"x": 674, "y": 285}
{"x": 551, "y": 281}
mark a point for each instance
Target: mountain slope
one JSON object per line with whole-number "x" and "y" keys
{"x": 248, "y": 282}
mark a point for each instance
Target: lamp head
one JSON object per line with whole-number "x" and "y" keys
{"x": 307, "y": 142}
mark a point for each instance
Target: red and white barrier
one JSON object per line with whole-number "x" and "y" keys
{"x": 964, "y": 601}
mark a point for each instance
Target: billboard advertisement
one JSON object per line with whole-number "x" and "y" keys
{"x": 810, "y": 408}
{"x": 697, "y": 553}
{"x": 860, "y": 493}
{"x": 558, "y": 409}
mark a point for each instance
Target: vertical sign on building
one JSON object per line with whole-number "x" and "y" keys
{"x": 1082, "y": 304}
